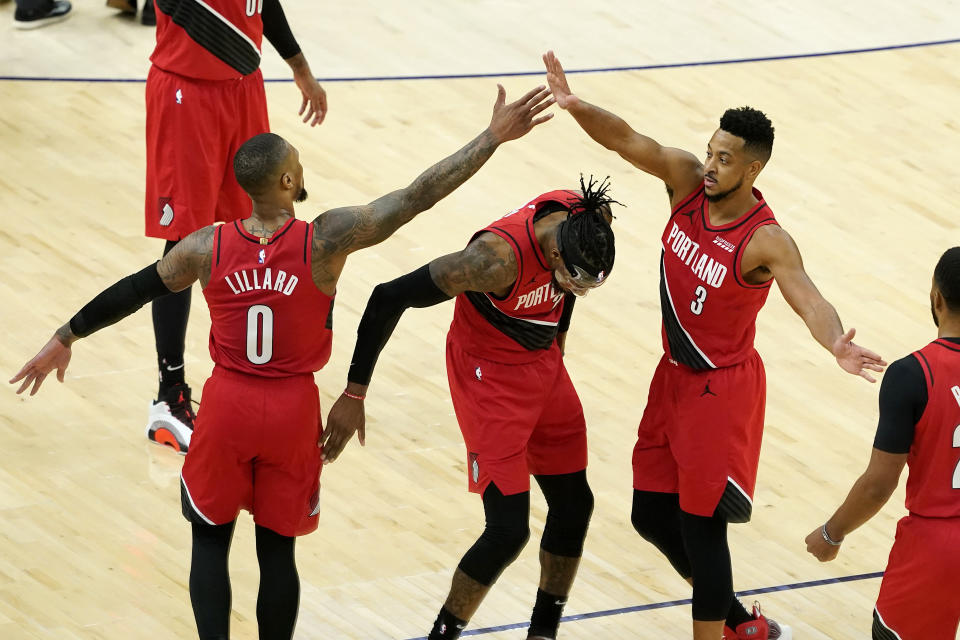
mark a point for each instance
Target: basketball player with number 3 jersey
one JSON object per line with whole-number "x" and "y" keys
{"x": 698, "y": 443}
{"x": 269, "y": 281}
{"x": 919, "y": 427}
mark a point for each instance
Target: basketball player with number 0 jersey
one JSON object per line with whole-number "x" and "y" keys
{"x": 919, "y": 427}
{"x": 204, "y": 98}
{"x": 698, "y": 444}
{"x": 269, "y": 281}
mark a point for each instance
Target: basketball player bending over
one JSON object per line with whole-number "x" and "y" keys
{"x": 920, "y": 427}
{"x": 269, "y": 281}
{"x": 517, "y": 408}
{"x": 698, "y": 445}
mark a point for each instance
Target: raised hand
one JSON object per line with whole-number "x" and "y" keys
{"x": 854, "y": 359}
{"x": 557, "y": 80}
{"x": 346, "y": 417}
{"x": 54, "y": 355}
{"x": 511, "y": 121}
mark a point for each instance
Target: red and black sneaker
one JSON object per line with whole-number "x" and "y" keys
{"x": 171, "y": 419}
{"x": 760, "y": 628}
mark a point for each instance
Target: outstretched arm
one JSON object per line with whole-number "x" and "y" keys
{"x": 487, "y": 264}
{"x": 339, "y": 232}
{"x": 680, "y": 170}
{"x": 176, "y": 271}
{"x": 772, "y": 249}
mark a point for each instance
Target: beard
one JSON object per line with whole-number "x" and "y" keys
{"x": 301, "y": 196}
{"x": 936, "y": 320}
{"x": 723, "y": 194}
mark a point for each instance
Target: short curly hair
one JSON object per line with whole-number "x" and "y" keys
{"x": 754, "y": 127}
{"x": 947, "y": 278}
{"x": 258, "y": 160}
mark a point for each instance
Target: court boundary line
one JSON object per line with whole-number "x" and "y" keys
{"x": 671, "y": 603}
{"x": 512, "y": 74}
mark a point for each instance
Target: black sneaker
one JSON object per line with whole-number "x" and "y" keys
{"x": 171, "y": 419}
{"x": 148, "y": 16}
{"x": 52, "y": 11}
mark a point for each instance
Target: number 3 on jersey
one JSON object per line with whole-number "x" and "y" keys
{"x": 259, "y": 334}
{"x": 697, "y": 304}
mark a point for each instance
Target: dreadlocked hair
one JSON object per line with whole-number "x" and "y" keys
{"x": 588, "y": 223}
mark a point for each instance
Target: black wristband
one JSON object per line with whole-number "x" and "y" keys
{"x": 568, "y": 301}
{"x": 276, "y": 29}
{"x": 384, "y": 308}
{"x": 118, "y": 301}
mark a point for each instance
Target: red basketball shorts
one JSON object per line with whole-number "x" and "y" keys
{"x": 516, "y": 419}
{"x": 255, "y": 448}
{"x": 194, "y": 127}
{"x": 700, "y": 436}
{"x": 919, "y": 596}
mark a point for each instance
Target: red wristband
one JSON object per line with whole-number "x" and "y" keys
{"x": 353, "y": 395}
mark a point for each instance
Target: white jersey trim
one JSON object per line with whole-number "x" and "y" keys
{"x": 545, "y": 323}
{"x": 885, "y": 625}
{"x": 740, "y": 489}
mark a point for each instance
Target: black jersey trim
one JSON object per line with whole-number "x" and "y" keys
{"x": 306, "y": 241}
{"x": 214, "y": 33}
{"x": 329, "y": 323}
{"x": 880, "y": 630}
{"x": 528, "y": 334}
{"x": 760, "y": 206}
{"x": 926, "y": 366}
{"x": 256, "y": 239}
{"x": 735, "y": 505}
{"x": 739, "y": 252}
{"x": 534, "y": 245}
{"x": 687, "y": 200}
{"x": 949, "y": 346}
{"x": 682, "y": 347}
{"x": 219, "y": 241}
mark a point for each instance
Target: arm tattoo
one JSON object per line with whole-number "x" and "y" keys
{"x": 341, "y": 231}
{"x": 190, "y": 260}
{"x": 488, "y": 264}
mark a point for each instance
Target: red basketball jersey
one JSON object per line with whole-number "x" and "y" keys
{"x": 933, "y": 484}
{"x": 709, "y": 311}
{"x": 520, "y": 326}
{"x": 267, "y": 316}
{"x": 208, "y": 39}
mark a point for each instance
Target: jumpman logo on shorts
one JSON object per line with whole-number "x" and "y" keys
{"x": 706, "y": 390}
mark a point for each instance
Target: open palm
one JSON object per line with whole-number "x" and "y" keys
{"x": 557, "y": 80}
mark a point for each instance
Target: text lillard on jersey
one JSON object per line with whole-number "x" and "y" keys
{"x": 260, "y": 279}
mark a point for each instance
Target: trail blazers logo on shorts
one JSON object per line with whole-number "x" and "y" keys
{"x": 474, "y": 468}
{"x": 166, "y": 212}
{"x": 315, "y": 503}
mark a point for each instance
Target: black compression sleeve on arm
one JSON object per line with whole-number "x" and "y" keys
{"x": 118, "y": 301}
{"x": 276, "y": 29}
{"x": 568, "y": 301}
{"x": 384, "y": 308}
{"x": 903, "y": 398}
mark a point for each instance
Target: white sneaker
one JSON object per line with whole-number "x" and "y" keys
{"x": 170, "y": 420}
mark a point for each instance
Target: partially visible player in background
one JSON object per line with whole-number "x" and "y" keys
{"x": 698, "y": 443}
{"x": 919, "y": 426}
{"x": 204, "y": 98}
{"x": 270, "y": 282}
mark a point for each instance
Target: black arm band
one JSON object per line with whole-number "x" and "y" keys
{"x": 568, "y": 301}
{"x": 384, "y": 308}
{"x": 118, "y": 301}
{"x": 276, "y": 29}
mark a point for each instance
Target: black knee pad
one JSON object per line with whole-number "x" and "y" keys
{"x": 506, "y": 533}
{"x": 570, "y": 505}
{"x": 656, "y": 517}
